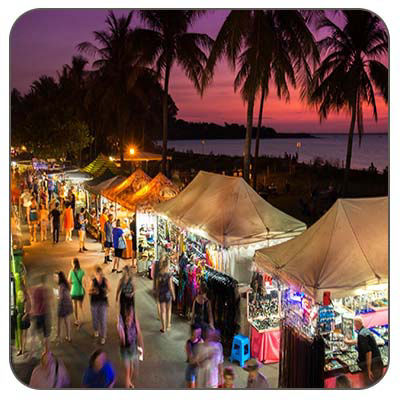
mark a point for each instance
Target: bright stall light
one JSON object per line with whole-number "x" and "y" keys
{"x": 132, "y": 151}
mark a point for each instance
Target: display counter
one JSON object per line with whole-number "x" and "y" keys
{"x": 264, "y": 344}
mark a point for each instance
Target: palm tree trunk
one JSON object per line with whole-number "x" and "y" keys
{"x": 247, "y": 144}
{"x": 165, "y": 120}
{"x": 349, "y": 150}
{"x": 258, "y": 138}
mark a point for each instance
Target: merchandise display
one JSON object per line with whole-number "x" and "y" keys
{"x": 146, "y": 238}
{"x": 263, "y": 303}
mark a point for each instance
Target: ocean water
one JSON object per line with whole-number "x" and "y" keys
{"x": 374, "y": 148}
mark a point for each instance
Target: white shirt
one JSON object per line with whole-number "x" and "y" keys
{"x": 210, "y": 355}
{"x": 26, "y": 199}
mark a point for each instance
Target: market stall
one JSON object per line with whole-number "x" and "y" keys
{"x": 75, "y": 179}
{"x": 216, "y": 223}
{"x": 98, "y": 166}
{"x": 334, "y": 271}
{"x": 141, "y": 202}
{"x": 110, "y": 198}
{"x": 96, "y": 201}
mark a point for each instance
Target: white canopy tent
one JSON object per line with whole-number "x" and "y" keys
{"x": 346, "y": 250}
{"x": 228, "y": 211}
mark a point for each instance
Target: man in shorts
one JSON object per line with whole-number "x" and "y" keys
{"x": 108, "y": 244}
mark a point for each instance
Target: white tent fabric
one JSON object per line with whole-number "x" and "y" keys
{"x": 346, "y": 250}
{"x": 228, "y": 211}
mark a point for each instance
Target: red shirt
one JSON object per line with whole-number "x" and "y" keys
{"x": 40, "y": 300}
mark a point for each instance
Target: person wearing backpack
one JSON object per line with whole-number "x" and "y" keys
{"x": 76, "y": 278}
{"x": 119, "y": 245}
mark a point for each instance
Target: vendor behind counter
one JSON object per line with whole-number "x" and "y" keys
{"x": 369, "y": 356}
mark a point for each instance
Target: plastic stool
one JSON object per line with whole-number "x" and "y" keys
{"x": 240, "y": 349}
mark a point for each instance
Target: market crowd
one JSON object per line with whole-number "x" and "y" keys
{"x": 47, "y": 205}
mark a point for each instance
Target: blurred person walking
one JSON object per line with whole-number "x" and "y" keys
{"x": 64, "y": 305}
{"x": 50, "y": 373}
{"x": 191, "y": 353}
{"x": 41, "y": 311}
{"x": 210, "y": 358}
{"x": 166, "y": 294}
{"x": 126, "y": 289}
{"x": 76, "y": 278}
{"x": 131, "y": 340}
{"x": 99, "y": 303}
{"x": 100, "y": 374}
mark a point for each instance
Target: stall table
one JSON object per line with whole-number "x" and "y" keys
{"x": 264, "y": 345}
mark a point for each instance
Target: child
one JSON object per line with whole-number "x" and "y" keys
{"x": 191, "y": 344}
{"x": 229, "y": 378}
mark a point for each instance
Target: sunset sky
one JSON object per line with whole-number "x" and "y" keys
{"x": 43, "y": 40}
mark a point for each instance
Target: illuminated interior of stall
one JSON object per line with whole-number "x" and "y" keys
{"x": 223, "y": 218}
{"x": 136, "y": 181}
{"x": 335, "y": 270}
{"x": 158, "y": 190}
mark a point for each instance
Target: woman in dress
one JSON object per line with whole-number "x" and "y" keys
{"x": 68, "y": 221}
{"x": 99, "y": 303}
{"x": 64, "y": 306}
{"x": 131, "y": 339}
{"x": 76, "y": 278}
{"x": 119, "y": 245}
{"x": 165, "y": 293}
{"x": 33, "y": 218}
{"x": 201, "y": 309}
{"x": 126, "y": 289}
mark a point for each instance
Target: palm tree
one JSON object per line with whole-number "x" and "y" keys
{"x": 292, "y": 47}
{"x": 117, "y": 69}
{"x": 351, "y": 73}
{"x": 262, "y": 43}
{"x": 166, "y": 40}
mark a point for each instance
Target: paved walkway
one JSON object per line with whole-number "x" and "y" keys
{"x": 164, "y": 355}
